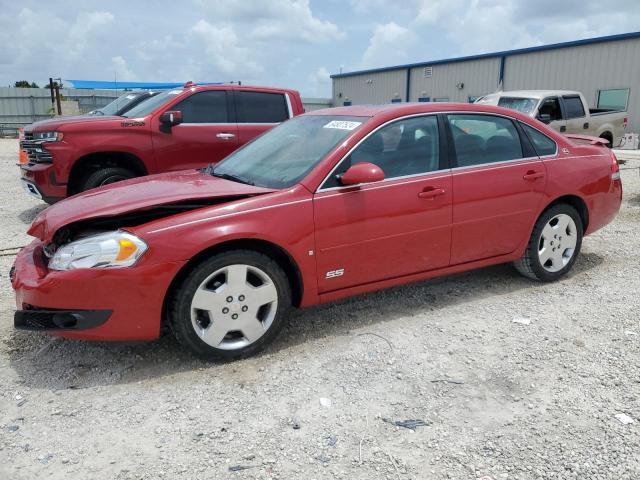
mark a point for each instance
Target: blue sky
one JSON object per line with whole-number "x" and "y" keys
{"x": 292, "y": 43}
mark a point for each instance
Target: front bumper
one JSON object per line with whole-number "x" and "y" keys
{"x": 52, "y": 320}
{"x": 65, "y": 302}
{"x": 41, "y": 177}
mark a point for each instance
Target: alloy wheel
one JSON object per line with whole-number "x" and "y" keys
{"x": 557, "y": 244}
{"x": 234, "y": 306}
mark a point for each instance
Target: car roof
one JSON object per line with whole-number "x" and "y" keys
{"x": 401, "y": 109}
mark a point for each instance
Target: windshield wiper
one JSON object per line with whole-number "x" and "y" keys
{"x": 228, "y": 176}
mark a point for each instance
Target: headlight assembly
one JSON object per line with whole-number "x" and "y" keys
{"x": 48, "y": 136}
{"x": 105, "y": 250}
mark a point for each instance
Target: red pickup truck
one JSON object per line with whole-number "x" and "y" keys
{"x": 177, "y": 129}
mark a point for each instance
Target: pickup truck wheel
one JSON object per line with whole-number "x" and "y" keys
{"x": 105, "y": 176}
{"x": 231, "y": 305}
{"x": 554, "y": 244}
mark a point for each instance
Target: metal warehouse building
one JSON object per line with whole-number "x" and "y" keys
{"x": 605, "y": 69}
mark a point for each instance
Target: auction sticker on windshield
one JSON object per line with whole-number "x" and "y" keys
{"x": 342, "y": 125}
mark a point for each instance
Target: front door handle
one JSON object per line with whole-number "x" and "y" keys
{"x": 533, "y": 175}
{"x": 225, "y": 136}
{"x": 585, "y": 125}
{"x": 563, "y": 128}
{"x": 431, "y": 192}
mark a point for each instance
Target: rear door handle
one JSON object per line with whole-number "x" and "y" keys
{"x": 431, "y": 192}
{"x": 563, "y": 128}
{"x": 585, "y": 125}
{"x": 531, "y": 175}
{"x": 225, "y": 136}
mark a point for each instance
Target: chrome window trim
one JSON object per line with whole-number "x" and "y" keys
{"x": 461, "y": 112}
{"x": 384, "y": 183}
{"x": 289, "y": 108}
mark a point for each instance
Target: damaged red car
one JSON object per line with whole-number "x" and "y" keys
{"x": 327, "y": 205}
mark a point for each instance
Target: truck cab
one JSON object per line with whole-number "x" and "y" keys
{"x": 563, "y": 110}
{"x": 177, "y": 129}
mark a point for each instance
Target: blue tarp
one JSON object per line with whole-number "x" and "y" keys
{"x": 111, "y": 85}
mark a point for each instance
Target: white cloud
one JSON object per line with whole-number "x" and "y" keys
{"x": 223, "y": 50}
{"x": 275, "y": 20}
{"x": 388, "y": 45}
{"x": 319, "y": 82}
{"x": 122, "y": 70}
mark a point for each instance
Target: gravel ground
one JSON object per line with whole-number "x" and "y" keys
{"x": 513, "y": 379}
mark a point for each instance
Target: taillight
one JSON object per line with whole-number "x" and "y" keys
{"x": 625, "y": 120}
{"x": 615, "y": 168}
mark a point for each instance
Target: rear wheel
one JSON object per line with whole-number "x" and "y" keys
{"x": 231, "y": 305}
{"x": 608, "y": 136}
{"x": 106, "y": 176}
{"x": 554, "y": 244}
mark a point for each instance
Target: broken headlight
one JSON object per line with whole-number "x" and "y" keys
{"x": 104, "y": 250}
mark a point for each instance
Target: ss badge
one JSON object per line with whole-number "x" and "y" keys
{"x": 334, "y": 273}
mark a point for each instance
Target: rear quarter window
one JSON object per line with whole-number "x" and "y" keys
{"x": 261, "y": 107}
{"x": 542, "y": 144}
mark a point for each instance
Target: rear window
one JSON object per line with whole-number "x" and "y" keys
{"x": 523, "y": 105}
{"x": 261, "y": 107}
{"x": 573, "y": 107}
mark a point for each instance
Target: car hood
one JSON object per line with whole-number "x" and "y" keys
{"x": 58, "y": 122}
{"x": 136, "y": 195}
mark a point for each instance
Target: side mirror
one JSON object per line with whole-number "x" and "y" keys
{"x": 544, "y": 117}
{"x": 171, "y": 118}
{"x": 362, "y": 173}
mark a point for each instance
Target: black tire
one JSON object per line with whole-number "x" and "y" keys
{"x": 529, "y": 264}
{"x": 608, "y": 136}
{"x": 106, "y": 176}
{"x": 179, "y": 306}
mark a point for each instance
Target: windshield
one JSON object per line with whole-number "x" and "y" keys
{"x": 147, "y": 106}
{"x": 286, "y": 154}
{"x": 114, "y": 107}
{"x": 522, "y": 105}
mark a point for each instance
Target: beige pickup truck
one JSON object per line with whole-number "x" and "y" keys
{"x": 564, "y": 111}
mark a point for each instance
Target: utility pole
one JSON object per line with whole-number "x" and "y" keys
{"x": 53, "y": 99}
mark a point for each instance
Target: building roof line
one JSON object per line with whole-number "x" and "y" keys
{"x": 505, "y": 53}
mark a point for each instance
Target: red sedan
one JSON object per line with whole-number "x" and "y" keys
{"x": 327, "y": 205}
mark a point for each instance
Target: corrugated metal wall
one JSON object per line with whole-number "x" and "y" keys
{"x": 311, "y": 104}
{"x": 585, "y": 68}
{"x": 479, "y": 77}
{"x": 370, "y": 88}
{"x": 21, "y": 106}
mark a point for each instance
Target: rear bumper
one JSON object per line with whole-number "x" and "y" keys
{"x": 90, "y": 304}
{"x": 57, "y": 320}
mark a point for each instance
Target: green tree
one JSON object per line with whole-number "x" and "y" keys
{"x": 25, "y": 84}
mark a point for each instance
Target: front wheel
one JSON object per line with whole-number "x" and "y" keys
{"x": 554, "y": 244}
{"x": 231, "y": 305}
{"x": 106, "y": 176}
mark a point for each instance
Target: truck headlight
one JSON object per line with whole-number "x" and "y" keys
{"x": 48, "y": 136}
{"x": 105, "y": 250}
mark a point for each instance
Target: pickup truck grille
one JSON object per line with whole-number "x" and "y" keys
{"x": 35, "y": 151}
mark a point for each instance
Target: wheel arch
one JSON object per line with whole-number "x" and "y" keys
{"x": 576, "y": 202}
{"x": 87, "y": 163}
{"x": 272, "y": 250}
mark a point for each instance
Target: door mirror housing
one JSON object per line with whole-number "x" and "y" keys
{"x": 362, "y": 173}
{"x": 544, "y": 117}
{"x": 171, "y": 118}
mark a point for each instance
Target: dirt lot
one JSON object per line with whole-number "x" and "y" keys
{"x": 532, "y": 399}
